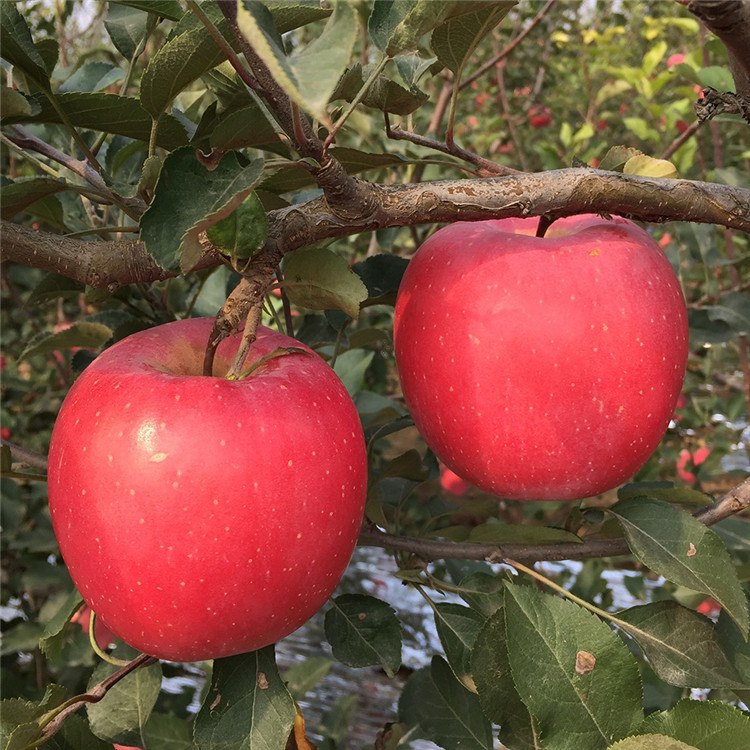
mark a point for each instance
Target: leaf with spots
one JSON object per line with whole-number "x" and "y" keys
{"x": 545, "y": 638}
{"x": 364, "y": 631}
{"x": 246, "y": 706}
{"x": 679, "y": 547}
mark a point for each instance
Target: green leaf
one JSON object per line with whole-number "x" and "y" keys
{"x": 501, "y": 533}
{"x": 291, "y": 14}
{"x": 351, "y": 367}
{"x": 247, "y": 706}
{"x": 647, "y": 166}
{"x": 408, "y": 465}
{"x": 716, "y": 77}
{"x": 189, "y": 198}
{"x": 654, "y": 56}
{"x": 444, "y": 710}
{"x": 384, "y": 94}
{"x": 707, "y": 725}
{"x": 93, "y": 76}
{"x": 498, "y": 696}
{"x": 682, "y": 647}
{"x": 457, "y": 627}
{"x": 650, "y": 742}
{"x": 674, "y": 544}
{"x": 735, "y": 532}
{"x": 364, "y": 631}
{"x": 244, "y": 128}
{"x": 664, "y": 491}
{"x": 18, "y": 725}
{"x": 256, "y": 23}
{"x": 18, "y": 47}
{"x": 52, "y": 641}
{"x": 76, "y": 735}
{"x": 170, "y": 9}
{"x": 19, "y": 195}
{"x": 483, "y": 592}
{"x": 733, "y": 310}
{"x": 556, "y": 648}
{"x": 82, "y": 334}
{"x": 319, "y": 279}
{"x": 243, "y": 232}
{"x": 178, "y": 63}
{"x": 167, "y": 732}
{"x": 320, "y": 64}
{"x": 616, "y": 158}
{"x": 15, "y": 104}
{"x": 382, "y": 276}
{"x": 303, "y": 677}
{"x": 122, "y": 714}
{"x": 126, "y": 27}
{"x": 397, "y": 25}
{"x": 455, "y": 41}
{"x": 735, "y": 647}
{"x": 110, "y": 113}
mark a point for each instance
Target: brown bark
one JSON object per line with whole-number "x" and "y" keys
{"x": 109, "y": 264}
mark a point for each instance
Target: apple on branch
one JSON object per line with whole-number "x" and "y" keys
{"x": 541, "y": 368}
{"x": 202, "y": 517}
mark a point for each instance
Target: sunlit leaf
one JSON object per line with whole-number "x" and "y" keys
{"x": 674, "y": 544}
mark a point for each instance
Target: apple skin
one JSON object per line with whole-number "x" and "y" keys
{"x": 541, "y": 368}
{"x": 202, "y": 517}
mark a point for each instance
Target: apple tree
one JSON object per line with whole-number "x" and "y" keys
{"x": 222, "y": 168}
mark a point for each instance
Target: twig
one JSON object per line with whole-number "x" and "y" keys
{"x": 56, "y": 717}
{"x": 453, "y": 149}
{"x": 26, "y": 457}
{"x": 734, "y": 501}
{"x": 510, "y": 46}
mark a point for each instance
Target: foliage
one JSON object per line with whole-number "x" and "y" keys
{"x": 148, "y": 130}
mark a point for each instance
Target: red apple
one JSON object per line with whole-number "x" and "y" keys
{"x": 541, "y": 368}
{"x": 202, "y": 517}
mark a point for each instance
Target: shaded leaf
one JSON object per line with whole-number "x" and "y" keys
{"x": 122, "y": 714}
{"x": 733, "y": 310}
{"x": 384, "y": 94}
{"x": 457, "y": 627}
{"x": 382, "y": 275}
{"x": 351, "y": 367}
{"x": 19, "y": 195}
{"x": 291, "y": 14}
{"x": 674, "y": 544}
{"x": 167, "y": 732}
{"x": 303, "y": 677}
{"x": 455, "y": 41}
{"x": 320, "y": 279}
{"x": 650, "y": 742}
{"x": 126, "y": 28}
{"x": 664, "y": 491}
{"x": 178, "y": 62}
{"x": 15, "y": 104}
{"x": 545, "y": 635}
{"x": 243, "y": 232}
{"x": 18, "y": 47}
{"x": 82, "y": 334}
{"x": 52, "y": 640}
{"x": 682, "y": 647}
{"x": 247, "y": 705}
{"x": 444, "y": 710}
{"x": 501, "y": 533}
{"x": 188, "y": 198}
{"x": 364, "y": 631}
{"x": 110, "y": 113}
{"x": 170, "y": 9}
{"x": 483, "y": 592}
{"x": 707, "y": 725}
{"x": 498, "y": 696}
{"x": 92, "y": 76}
{"x": 243, "y": 128}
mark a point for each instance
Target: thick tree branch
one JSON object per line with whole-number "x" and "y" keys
{"x": 729, "y": 20}
{"x": 734, "y": 501}
{"x": 109, "y": 264}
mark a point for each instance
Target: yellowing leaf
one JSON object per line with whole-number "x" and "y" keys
{"x": 647, "y": 166}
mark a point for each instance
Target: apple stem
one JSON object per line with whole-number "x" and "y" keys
{"x": 545, "y": 222}
{"x": 98, "y": 650}
{"x": 248, "y": 339}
